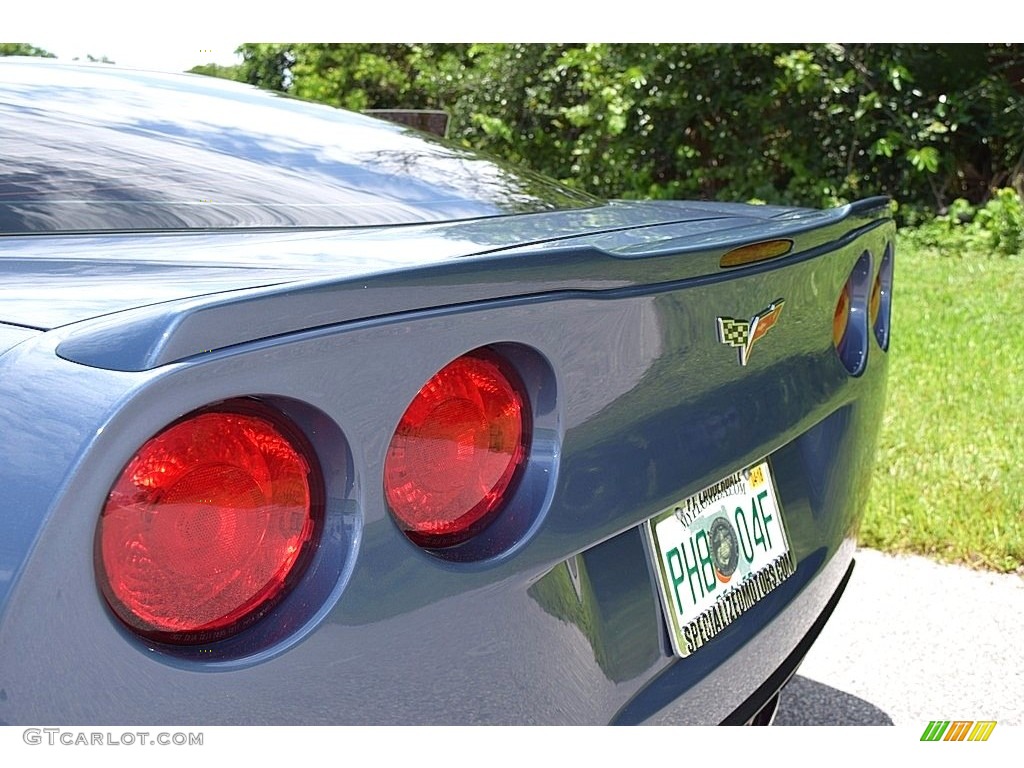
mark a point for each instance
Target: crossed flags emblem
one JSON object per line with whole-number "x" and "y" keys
{"x": 743, "y": 334}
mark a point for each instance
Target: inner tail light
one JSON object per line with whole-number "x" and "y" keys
{"x": 209, "y": 524}
{"x": 841, "y": 317}
{"x": 458, "y": 451}
{"x": 850, "y": 317}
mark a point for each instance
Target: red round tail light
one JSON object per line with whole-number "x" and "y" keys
{"x": 208, "y": 525}
{"x": 458, "y": 450}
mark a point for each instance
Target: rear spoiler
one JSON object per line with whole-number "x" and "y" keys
{"x": 591, "y": 264}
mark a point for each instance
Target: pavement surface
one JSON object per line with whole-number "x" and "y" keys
{"x": 913, "y": 641}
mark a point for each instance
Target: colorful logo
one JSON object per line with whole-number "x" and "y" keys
{"x": 958, "y": 730}
{"x": 725, "y": 549}
{"x": 743, "y": 334}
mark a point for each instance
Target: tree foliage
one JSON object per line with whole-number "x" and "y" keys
{"x": 96, "y": 59}
{"x": 23, "y": 49}
{"x": 225, "y": 71}
{"x": 805, "y": 124}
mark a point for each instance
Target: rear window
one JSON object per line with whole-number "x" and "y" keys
{"x": 98, "y": 149}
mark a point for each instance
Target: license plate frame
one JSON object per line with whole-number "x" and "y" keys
{"x": 746, "y": 554}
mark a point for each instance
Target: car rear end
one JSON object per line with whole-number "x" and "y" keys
{"x": 718, "y": 360}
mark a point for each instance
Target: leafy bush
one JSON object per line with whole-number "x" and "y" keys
{"x": 1002, "y": 218}
{"x": 996, "y": 227}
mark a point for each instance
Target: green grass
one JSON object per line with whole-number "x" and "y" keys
{"x": 949, "y": 481}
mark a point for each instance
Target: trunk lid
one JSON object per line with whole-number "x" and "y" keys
{"x": 47, "y": 281}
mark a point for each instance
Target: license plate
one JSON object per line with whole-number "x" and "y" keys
{"x": 719, "y": 552}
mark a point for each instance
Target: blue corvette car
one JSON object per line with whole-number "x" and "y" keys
{"x": 311, "y": 418}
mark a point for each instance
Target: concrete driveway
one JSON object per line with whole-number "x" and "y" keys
{"x": 913, "y": 641}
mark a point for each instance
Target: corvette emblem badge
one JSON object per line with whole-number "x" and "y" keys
{"x": 742, "y": 334}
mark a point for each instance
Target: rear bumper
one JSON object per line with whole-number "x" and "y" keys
{"x": 766, "y": 696}
{"x": 755, "y": 672}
